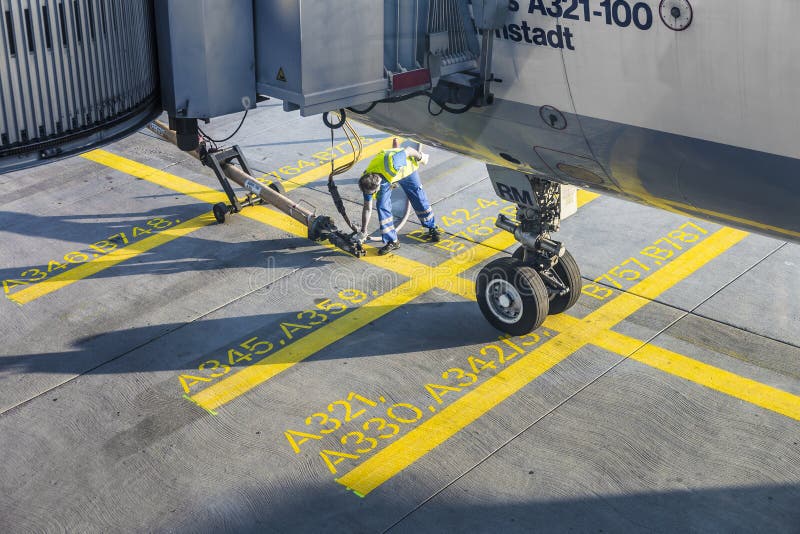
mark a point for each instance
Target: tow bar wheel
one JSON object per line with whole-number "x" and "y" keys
{"x": 512, "y": 296}
{"x": 220, "y": 211}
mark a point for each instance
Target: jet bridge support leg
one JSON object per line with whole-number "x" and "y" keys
{"x": 516, "y": 294}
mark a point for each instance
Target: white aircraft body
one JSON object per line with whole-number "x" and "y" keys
{"x": 696, "y": 113}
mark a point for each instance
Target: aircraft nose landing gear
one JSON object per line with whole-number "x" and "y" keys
{"x": 516, "y": 294}
{"x": 512, "y": 296}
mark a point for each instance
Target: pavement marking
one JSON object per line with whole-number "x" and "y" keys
{"x": 241, "y": 382}
{"x": 409, "y": 448}
{"x": 575, "y": 333}
{"x": 423, "y": 278}
{"x": 155, "y": 176}
{"x": 396, "y": 263}
{"x": 733, "y": 385}
{"x": 262, "y": 214}
{"x": 92, "y": 267}
{"x": 746, "y": 389}
{"x": 196, "y": 191}
{"x": 667, "y": 276}
{"x": 442, "y": 276}
{"x": 293, "y": 182}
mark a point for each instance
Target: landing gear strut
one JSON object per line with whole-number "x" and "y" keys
{"x": 516, "y": 294}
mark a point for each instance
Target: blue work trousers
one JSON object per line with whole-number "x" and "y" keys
{"x": 413, "y": 189}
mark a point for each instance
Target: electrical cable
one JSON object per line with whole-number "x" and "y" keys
{"x": 443, "y": 105}
{"x": 215, "y": 141}
{"x": 357, "y": 147}
{"x": 457, "y": 111}
{"x": 430, "y": 112}
{"x": 363, "y": 111}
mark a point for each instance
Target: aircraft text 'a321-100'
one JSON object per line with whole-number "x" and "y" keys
{"x": 617, "y": 13}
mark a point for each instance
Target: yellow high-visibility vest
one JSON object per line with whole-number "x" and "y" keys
{"x": 383, "y": 164}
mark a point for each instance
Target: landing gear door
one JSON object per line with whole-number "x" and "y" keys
{"x": 512, "y": 186}
{"x": 573, "y": 169}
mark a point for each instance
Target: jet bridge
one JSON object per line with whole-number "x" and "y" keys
{"x": 316, "y": 56}
{"x": 74, "y": 75}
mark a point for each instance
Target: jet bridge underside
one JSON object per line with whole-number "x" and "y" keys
{"x": 77, "y": 74}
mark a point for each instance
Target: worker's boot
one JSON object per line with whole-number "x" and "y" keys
{"x": 388, "y": 247}
{"x": 435, "y": 234}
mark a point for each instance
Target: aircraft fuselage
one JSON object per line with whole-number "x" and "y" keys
{"x": 693, "y": 114}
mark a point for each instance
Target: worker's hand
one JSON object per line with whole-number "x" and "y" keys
{"x": 424, "y": 158}
{"x": 360, "y": 237}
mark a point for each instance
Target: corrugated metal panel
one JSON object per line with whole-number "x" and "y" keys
{"x": 450, "y": 17}
{"x": 73, "y": 73}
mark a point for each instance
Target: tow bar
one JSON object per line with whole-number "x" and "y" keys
{"x": 320, "y": 227}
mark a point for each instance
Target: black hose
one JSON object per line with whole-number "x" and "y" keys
{"x": 326, "y": 119}
{"x": 395, "y": 100}
{"x": 364, "y": 111}
{"x": 456, "y": 111}
{"x": 403, "y": 98}
{"x": 430, "y": 111}
{"x": 207, "y": 137}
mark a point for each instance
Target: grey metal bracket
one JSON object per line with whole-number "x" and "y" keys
{"x": 216, "y": 160}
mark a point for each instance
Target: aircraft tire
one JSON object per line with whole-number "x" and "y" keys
{"x": 512, "y": 296}
{"x": 568, "y": 271}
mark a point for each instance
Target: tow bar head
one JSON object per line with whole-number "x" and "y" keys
{"x": 347, "y": 243}
{"x": 322, "y": 228}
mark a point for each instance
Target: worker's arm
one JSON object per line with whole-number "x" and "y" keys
{"x": 366, "y": 213}
{"x": 413, "y": 153}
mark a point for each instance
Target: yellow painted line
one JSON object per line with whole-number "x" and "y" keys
{"x": 584, "y": 197}
{"x": 271, "y": 217}
{"x": 235, "y": 385}
{"x": 673, "y": 272}
{"x": 409, "y": 448}
{"x": 180, "y": 185}
{"x": 731, "y": 384}
{"x": 155, "y": 176}
{"x": 745, "y": 389}
{"x": 268, "y": 216}
{"x": 265, "y": 215}
{"x": 465, "y": 410}
{"x": 706, "y": 375}
{"x": 324, "y": 169}
{"x": 248, "y": 378}
{"x": 422, "y": 277}
{"x": 396, "y": 263}
{"x": 111, "y": 259}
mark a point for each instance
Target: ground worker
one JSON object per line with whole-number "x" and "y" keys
{"x": 388, "y": 169}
